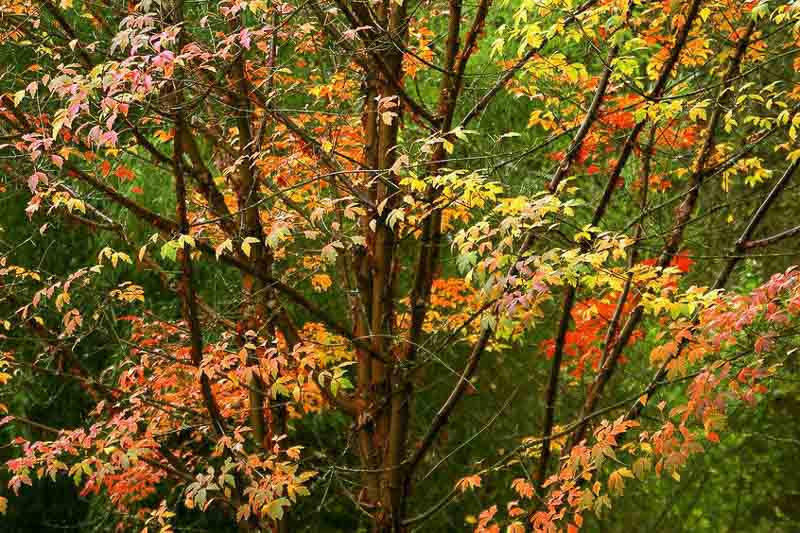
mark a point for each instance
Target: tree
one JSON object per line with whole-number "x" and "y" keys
{"x": 375, "y": 254}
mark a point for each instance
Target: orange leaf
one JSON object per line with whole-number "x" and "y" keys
{"x": 124, "y": 173}
{"x": 469, "y": 482}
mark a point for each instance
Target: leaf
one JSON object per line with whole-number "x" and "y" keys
{"x": 394, "y": 216}
{"x": 399, "y": 163}
{"x": 641, "y": 467}
{"x": 225, "y": 245}
{"x": 170, "y": 250}
{"x": 186, "y": 240}
{"x": 616, "y": 484}
{"x": 274, "y": 509}
{"x": 381, "y": 207}
{"x": 329, "y": 253}
{"x": 35, "y": 179}
{"x": 466, "y": 261}
{"x": 321, "y": 282}
{"x": 387, "y": 117}
{"x": 247, "y": 243}
{"x": 124, "y": 173}
{"x": 699, "y": 111}
{"x": 469, "y": 482}
{"x": 164, "y": 135}
{"x": 625, "y": 472}
{"x": 278, "y": 234}
{"x": 515, "y": 527}
{"x": 523, "y": 487}
{"x": 58, "y": 122}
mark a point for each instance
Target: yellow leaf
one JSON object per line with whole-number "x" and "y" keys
{"x": 698, "y": 112}
{"x": 247, "y": 243}
{"x": 226, "y": 245}
{"x": 61, "y": 300}
{"x": 183, "y": 240}
{"x": 625, "y": 472}
{"x": 387, "y": 117}
{"x": 616, "y": 484}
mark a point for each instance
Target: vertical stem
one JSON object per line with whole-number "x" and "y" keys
{"x": 552, "y": 385}
{"x": 190, "y": 310}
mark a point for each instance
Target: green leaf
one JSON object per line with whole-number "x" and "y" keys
{"x": 275, "y": 508}
{"x": 466, "y": 261}
{"x": 170, "y": 250}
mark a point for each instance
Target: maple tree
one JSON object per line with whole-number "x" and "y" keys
{"x": 308, "y": 216}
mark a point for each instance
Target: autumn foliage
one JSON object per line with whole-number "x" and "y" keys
{"x": 319, "y": 251}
